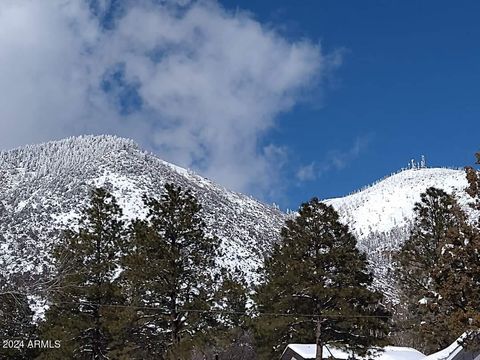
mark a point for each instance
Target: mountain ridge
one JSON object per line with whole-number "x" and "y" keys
{"x": 45, "y": 185}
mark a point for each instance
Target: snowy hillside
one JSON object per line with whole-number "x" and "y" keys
{"x": 44, "y": 186}
{"x": 381, "y": 215}
{"x": 389, "y": 203}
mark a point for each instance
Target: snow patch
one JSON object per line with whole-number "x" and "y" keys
{"x": 309, "y": 351}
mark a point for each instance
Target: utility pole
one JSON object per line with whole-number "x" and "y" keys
{"x": 319, "y": 352}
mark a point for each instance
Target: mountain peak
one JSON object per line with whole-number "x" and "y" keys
{"x": 101, "y": 142}
{"x": 389, "y": 202}
{"x": 45, "y": 186}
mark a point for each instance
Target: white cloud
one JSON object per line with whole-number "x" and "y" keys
{"x": 307, "y": 172}
{"x": 200, "y": 85}
{"x": 334, "y": 160}
{"x": 340, "y": 159}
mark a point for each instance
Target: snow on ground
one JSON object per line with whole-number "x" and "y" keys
{"x": 309, "y": 351}
{"x": 399, "y": 353}
{"x": 449, "y": 352}
{"x": 127, "y": 191}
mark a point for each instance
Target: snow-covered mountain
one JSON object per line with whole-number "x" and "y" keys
{"x": 381, "y": 215}
{"x": 43, "y": 188}
{"x": 389, "y": 203}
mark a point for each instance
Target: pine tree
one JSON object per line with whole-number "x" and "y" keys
{"x": 434, "y": 215}
{"x": 416, "y": 262}
{"x": 316, "y": 269}
{"x": 454, "y": 307}
{"x": 170, "y": 267}
{"x": 430, "y": 271}
{"x": 83, "y": 313}
{"x": 458, "y": 274}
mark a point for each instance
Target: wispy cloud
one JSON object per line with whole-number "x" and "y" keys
{"x": 200, "y": 85}
{"x": 334, "y": 160}
{"x": 307, "y": 172}
{"x": 339, "y": 159}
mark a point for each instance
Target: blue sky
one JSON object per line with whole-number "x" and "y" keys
{"x": 408, "y": 85}
{"x": 283, "y": 100}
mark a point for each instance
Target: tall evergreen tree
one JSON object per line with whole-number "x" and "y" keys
{"x": 82, "y": 313}
{"x": 431, "y": 269}
{"x": 454, "y": 307}
{"x": 458, "y": 272}
{"x": 316, "y": 269}
{"x": 434, "y": 215}
{"x": 169, "y": 267}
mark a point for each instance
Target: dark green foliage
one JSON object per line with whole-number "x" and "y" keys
{"x": 231, "y": 337}
{"x": 170, "y": 267}
{"x": 240, "y": 347}
{"x": 454, "y": 307}
{"x": 434, "y": 215}
{"x": 458, "y": 273}
{"x": 416, "y": 264}
{"x": 83, "y": 314}
{"x": 317, "y": 269}
{"x": 16, "y": 323}
{"x": 438, "y": 273}
{"x": 232, "y": 297}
